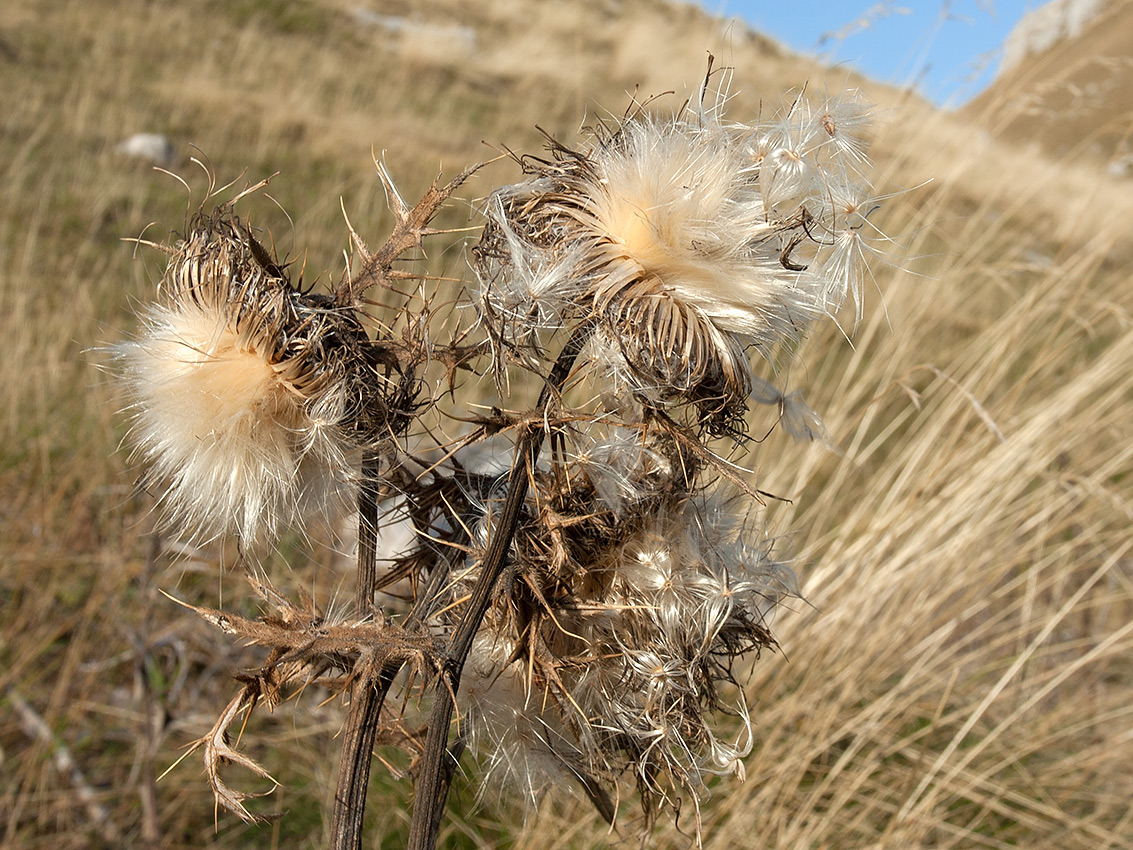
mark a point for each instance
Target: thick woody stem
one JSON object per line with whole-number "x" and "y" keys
{"x": 367, "y": 578}
{"x": 438, "y": 763}
{"x": 371, "y": 685}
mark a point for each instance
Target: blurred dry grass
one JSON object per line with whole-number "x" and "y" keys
{"x": 961, "y": 676}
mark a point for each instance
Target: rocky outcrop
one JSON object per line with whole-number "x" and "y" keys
{"x": 1066, "y": 85}
{"x": 1046, "y": 26}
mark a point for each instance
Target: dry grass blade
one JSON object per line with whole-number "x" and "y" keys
{"x": 35, "y": 727}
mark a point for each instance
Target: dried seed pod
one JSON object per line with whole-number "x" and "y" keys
{"x": 616, "y": 639}
{"x": 688, "y": 239}
{"x": 248, "y": 393}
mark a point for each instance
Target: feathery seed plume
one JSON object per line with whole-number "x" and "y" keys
{"x": 688, "y": 238}
{"x": 631, "y": 601}
{"x": 248, "y": 393}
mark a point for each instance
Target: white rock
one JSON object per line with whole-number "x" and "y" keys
{"x": 153, "y": 147}
{"x": 422, "y": 38}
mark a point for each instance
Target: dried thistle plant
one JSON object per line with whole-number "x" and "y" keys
{"x": 586, "y": 612}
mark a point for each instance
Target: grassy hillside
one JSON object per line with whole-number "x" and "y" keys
{"x": 959, "y": 676}
{"x": 1073, "y": 99}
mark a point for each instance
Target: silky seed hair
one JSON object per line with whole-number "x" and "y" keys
{"x": 631, "y": 598}
{"x": 691, "y": 241}
{"x": 251, "y": 397}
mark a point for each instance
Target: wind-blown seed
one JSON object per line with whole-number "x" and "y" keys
{"x": 679, "y": 242}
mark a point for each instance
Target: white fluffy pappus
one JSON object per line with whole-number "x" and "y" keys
{"x": 688, "y": 241}
{"x": 526, "y": 746}
{"x": 677, "y": 205}
{"x": 250, "y": 398}
{"x": 232, "y": 441}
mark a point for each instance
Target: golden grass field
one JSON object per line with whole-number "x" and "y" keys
{"x": 960, "y": 675}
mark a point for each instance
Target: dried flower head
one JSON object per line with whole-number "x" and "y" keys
{"x": 248, "y": 393}
{"x": 688, "y": 239}
{"x": 631, "y": 600}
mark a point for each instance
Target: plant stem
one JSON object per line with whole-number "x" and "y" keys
{"x": 367, "y": 578}
{"x": 371, "y": 685}
{"x": 437, "y": 763}
{"x": 365, "y": 697}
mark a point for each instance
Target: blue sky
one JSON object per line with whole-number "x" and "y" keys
{"x": 950, "y": 49}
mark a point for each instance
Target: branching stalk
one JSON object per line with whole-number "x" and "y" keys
{"x": 437, "y": 762}
{"x": 365, "y": 699}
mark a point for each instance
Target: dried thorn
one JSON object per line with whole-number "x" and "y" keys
{"x": 396, "y": 202}
{"x": 409, "y": 230}
{"x": 217, "y": 751}
{"x": 359, "y": 244}
{"x": 248, "y": 190}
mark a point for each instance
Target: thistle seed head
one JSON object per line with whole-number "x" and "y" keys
{"x": 248, "y": 394}
{"x": 688, "y": 239}
{"x": 616, "y": 640}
